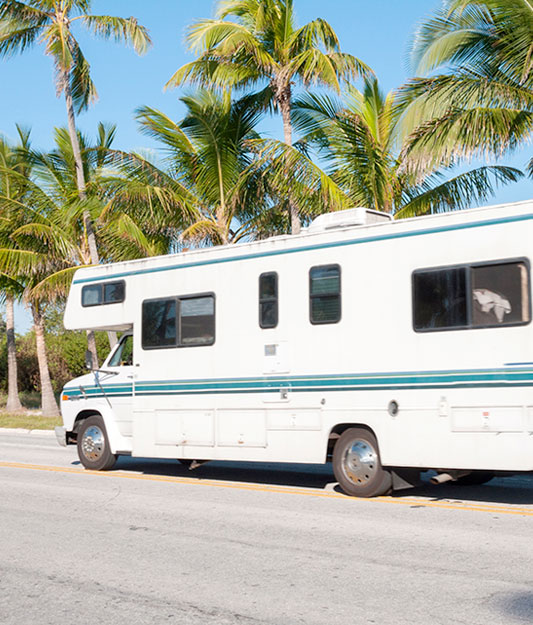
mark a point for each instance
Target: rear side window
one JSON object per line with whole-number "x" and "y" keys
{"x": 268, "y": 300}
{"x": 500, "y": 294}
{"x": 440, "y": 299}
{"x": 103, "y": 293}
{"x": 325, "y": 294}
{"x": 178, "y": 322}
{"x": 473, "y": 296}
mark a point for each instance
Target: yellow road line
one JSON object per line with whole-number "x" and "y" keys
{"x": 286, "y": 490}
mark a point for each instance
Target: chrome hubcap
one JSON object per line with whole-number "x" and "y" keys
{"x": 360, "y": 462}
{"x": 93, "y": 443}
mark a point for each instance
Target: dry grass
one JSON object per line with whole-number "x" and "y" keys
{"x": 28, "y": 421}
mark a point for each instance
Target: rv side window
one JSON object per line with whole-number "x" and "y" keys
{"x": 474, "y": 296}
{"x": 197, "y": 320}
{"x": 178, "y": 322}
{"x": 440, "y": 299}
{"x": 500, "y": 294}
{"x": 268, "y": 300}
{"x": 325, "y": 294}
{"x": 91, "y": 295}
{"x": 103, "y": 293}
{"x": 113, "y": 292}
{"x": 159, "y": 323}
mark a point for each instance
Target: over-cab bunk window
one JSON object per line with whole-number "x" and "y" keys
{"x": 325, "y": 294}
{"x": 268, "y": 300}
{"x": 103, "y": 293}
{"x": 183, "y": 321}
{"x": 484, "y": 295}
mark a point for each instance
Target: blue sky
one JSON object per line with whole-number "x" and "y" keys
{"x": 376, "y": 31}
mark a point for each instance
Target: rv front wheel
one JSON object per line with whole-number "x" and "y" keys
{"x": 93, "y": 445}
{"x": 357, "y": 466}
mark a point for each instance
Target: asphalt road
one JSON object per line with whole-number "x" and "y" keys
{"x": 252, "y": 544}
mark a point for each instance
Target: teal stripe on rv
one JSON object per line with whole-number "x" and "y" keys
{"x": 308, "y": 248}
{"x": 384, "y": 381}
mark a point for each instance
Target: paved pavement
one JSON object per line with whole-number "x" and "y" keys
{"x": 236, "y": 543}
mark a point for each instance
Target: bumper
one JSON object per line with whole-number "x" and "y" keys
{"x": 61, "y": 436}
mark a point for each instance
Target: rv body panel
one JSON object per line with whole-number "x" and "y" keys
{"x": 463, "y": 395}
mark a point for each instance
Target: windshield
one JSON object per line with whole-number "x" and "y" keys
{"x": 123, "y": 356}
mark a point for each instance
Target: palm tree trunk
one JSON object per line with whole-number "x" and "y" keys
{"x": 91, "y": 345}
{"x": 80, "y": 182}
{"x": 284, "y": 101}
{"x": 13, "y": 401}
{"x": 80, "y": 176}
{"x": 48, "y": 401}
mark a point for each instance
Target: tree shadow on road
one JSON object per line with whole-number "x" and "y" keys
{"x": 276, "y": 474}
{"x": 516, "y": 489}
{"x": 501, "y": 490}
{"x": 518, "y": 606}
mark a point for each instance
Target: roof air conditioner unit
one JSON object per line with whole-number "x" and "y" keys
{"x": 359, "y": 216}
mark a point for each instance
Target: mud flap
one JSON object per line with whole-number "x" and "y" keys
{"x": 405, "y": 478}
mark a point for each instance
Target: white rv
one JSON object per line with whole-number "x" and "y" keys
{"x": 389, "y": 347}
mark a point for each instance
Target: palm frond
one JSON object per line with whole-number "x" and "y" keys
{"x": 17, "y": 263}
{"x": 203, "y": 232}
{"x": 55, "y": 286}
{"x": 56, "y": 241}
{"x": 15, "y": 39}
{"x": 462, "y": 191}
{"x": 297, "y": 176}
{"x": 82, "y": 88}
{"x": 127, "y": 30}
{"x": 58, "y": 44}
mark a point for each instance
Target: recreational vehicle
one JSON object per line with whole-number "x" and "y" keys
{"x": 387, "y": 347}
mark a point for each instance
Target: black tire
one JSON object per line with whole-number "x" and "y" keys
{"x": 357, "y": 466}
{"x": 475, "y": 478}
{"x": 93, "y": 445}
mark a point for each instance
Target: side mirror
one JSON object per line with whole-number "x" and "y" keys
{"x": 89, "y": 360}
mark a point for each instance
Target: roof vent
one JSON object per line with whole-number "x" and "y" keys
{"x": 359, "y": 216}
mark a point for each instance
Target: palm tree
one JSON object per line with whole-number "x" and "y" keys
{"x": 261, "y": 44}
{"x": 226, "y": 181}
{"x": 47, "y": 236}
{"x": 361, "y": 143}
{"x": 11, "y": 290}
{"x": 17, "y": 278}
{"x": 50, "y": 22}
{"x": 482, "y": 103}
{"x": 208, "y": 158}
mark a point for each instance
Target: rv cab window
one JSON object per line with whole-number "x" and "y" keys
{"x": 123, "y": 356}
{"x": 325, "y": 294}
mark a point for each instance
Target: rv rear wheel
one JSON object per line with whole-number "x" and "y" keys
{"x": 93, "y": 445}
{"x": 357, "y": 466}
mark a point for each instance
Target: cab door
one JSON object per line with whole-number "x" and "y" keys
{"x": 116, "y": 379}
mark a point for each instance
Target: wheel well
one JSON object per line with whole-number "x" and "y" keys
{"x": 84, "y": 414}
{"x": 339, "y": 429}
